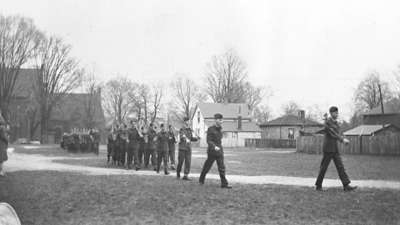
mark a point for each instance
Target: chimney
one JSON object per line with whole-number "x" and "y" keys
{"x": 239, "y": 123}
{"x": 302, "y": 115}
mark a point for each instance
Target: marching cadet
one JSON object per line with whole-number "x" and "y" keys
{"x": 3, "y": 144}
{"x": 114, "y": 152}
{"x": 95, "y": 138}
{"x": 185, "y": 149}
{"x": 142, "y": 146}
{"x": 110, "y": 145}
{"x": 124, "y": 143}
{"x": 215, "y": 152}
{"x": 118, "y": 144}
{"x": 171, "y": 146}
{"x": 151, "y": 148}
{"x": 133, "y": 146}
{"x": 331, "y": 151}
{"x": 162, "y": 149}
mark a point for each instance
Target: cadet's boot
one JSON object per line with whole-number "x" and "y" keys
{"x": 318, "y": 188}
{"x": 172, "y": 167}
{"x": 166, "y": 172}
{"x": 226, "y": 186}
{"x": 185, "y": 177}
{"x": 178, "y": 175}
{"x": 349, "y": 188}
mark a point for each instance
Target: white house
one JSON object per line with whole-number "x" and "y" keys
{"x": 237, "y": 126}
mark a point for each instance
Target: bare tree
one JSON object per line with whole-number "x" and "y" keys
{"x": 187, "y": 94}
{"x": 253, "y": 95}
{"x": 144, "y": 102}
{"x": 116, "y": 98}
{"x": 58, "y": 75}
{"x": 157, "y": 94}
{"x": 225, "y": 78}
{"x": 290, "y": 108}
{"x": 315, "y": 113}
{"x": 262, "y": 113}
{"x": 397, "y": 83}
{"x": 367, "y": 96}
{"x": 226, "y": 81}
{"x": 93, "y": 90}
{"x": 19, "y": 38}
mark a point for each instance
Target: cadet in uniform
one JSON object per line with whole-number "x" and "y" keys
{"x": 133, "y": 146}
{"x": 3, "y": 144}
{"x": 331, "y": 151}
{"x": 142, "y": 146}
{"x": 215, "y": 152}
{"x": 124, "y": 143}
{"x": 171, "y": 146}
{"x": 151, "y": 148}
{"x": 118, "y": 144}
{"x": 185, "y": 149}
{"x": 162, "y": 149}
{"x": 110, "y": 146}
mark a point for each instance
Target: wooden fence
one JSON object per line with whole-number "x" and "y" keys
{"x": 270, "y": 143}
{"x": 372, "y": 145}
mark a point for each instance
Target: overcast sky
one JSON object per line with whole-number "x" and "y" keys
{"x": 310, "y": 52}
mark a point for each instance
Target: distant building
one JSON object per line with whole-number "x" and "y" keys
{"x": 69, "y": 113}
{"x": 237, "y": 126}
{"x": 390, "y": 114}
{"x": 376, "y": 122}
{"x": 373, "y": 130}
{"x": 289, "y": 126}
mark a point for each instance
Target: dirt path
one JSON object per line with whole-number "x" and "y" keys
{"x": 18, "y": 162}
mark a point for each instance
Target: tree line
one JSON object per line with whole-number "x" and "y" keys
{"x": 225, "y": 81}
{"x": 57, "y": 72}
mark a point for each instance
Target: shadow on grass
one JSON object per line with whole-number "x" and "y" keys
{"x": 48, "y": 197}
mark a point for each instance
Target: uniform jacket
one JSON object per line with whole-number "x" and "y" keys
{"x": 3, "y": 144}
{"x": 133, "y": 135}
{"x": 185, "y": 139}
{"x": 332, "y": 136}
{"x": 214, "y": 138}
{"x": 151, "y": 134}
{"x": 171, "y": 137}
{"x": 162, "y": 141}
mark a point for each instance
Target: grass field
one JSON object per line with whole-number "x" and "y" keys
{"x": 65, "y": 198}
{"x": 50, "y": 197}
{"x": 263, "y": 162}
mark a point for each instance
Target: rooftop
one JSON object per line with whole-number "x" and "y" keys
{"x": 291, "y": 120}
{"x": 364, "y": 130}
{"x": 228, "y": 110}
{"x": 232, "y": 126}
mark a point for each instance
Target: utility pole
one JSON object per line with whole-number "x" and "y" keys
{"x": 380, "y": 95}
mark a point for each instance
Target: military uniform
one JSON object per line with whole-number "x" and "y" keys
{"x": 185, "y": 151}
{"x": 214, "y": 138}
{"x": 142, "y": 146}
{"x": 331, "y": 151}
{"x": 124, "y": 145}
{"x": 133, "y": 148}
{"x": 151, "y": 149}
{"x": 110, "y": 147}
{"x": 171, "y": 148}
{"x": 3, "y": 143}
{"x": 162, "y": 150}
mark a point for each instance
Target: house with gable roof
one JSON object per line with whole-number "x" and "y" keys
{"x": 289, "y": 126}
{"x": 238, "y": 123}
